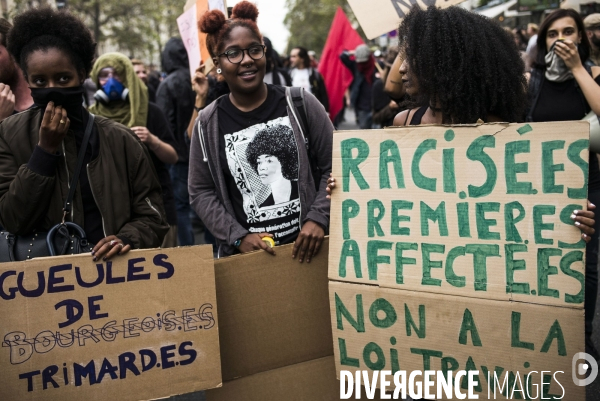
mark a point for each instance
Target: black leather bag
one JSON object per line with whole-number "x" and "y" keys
{"x": 65, "y": 238}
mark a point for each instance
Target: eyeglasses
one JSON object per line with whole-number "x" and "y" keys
{"x": 235, "y": 56}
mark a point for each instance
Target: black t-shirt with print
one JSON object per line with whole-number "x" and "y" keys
{"x": 259, "y": 158}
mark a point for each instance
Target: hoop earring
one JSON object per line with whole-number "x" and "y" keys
{"x": 219, "y": 71}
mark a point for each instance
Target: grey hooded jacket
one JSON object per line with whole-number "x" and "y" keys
{"x": 208, "y": 190}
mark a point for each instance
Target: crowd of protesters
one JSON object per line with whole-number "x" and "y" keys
{"x": 245, "y": 144}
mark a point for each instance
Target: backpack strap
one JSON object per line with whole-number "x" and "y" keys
{"x": 297, "y": 97}
{"x": 296, "y": 101}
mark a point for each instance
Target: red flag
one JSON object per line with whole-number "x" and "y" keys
{"x": 337, "y": 77}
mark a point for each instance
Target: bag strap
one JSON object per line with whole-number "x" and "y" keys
{"x": 297, "y": 99}
{"x": 73, "y": 186}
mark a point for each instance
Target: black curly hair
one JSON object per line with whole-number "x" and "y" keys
{"x": 276, "y": 140}
{"x": 45, "y": 28}
{"x": 464, "y": 64}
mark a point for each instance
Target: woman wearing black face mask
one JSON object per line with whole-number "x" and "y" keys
{"x": 118, "y": 201}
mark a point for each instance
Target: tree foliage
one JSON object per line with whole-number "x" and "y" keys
{"x": 137, "y": 28}
{"x": 309, "y": 21}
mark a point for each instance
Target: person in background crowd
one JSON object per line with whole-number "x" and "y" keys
{"x": 142, "y": 73}
{"x": 363, "y": 70}
{"x": 532, "y": 34}
{"x": 592, "y": 29}
{"x": 304, "y": 76}
{"x": 565, "y": 86}
{"x": 89, "y": 90}
{"x": 114, "y": 74}
{"x": 531, "y": 51}
{"x": 314, "y": 63}
{"x": 236, "y": 201}
{"x": 208, "y": 88}
{"x": 175, "y": 98}
{"x": 393, "y": 86}
{"x": 517, "y": 40}
{"x": 153, "y": 78}
{"x": 384, "y": 107}
{"x": 140, "y": 70}
{"x": 274, "y": 75}
{"x": 14, "y": 91}
{"x": 118, "y": 201}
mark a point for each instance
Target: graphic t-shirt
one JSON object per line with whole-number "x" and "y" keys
{"x": 259, "y": 158}
{"x": 301, "y": 79}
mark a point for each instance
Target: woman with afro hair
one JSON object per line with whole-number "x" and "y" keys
{"x": 118, "y": 201}
{"x": 253, "y": 156}
{"x": 459, "y": 67}
{"x": 273, "y": 157}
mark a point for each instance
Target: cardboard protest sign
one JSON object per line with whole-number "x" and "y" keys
{"x": 312, "y": 380}
{"x": 461, "y": 218}
{"x": 193, "y": 39}
{"x": 280, "y": 305}
{"x": 471, "y": 211}
{"x": 188, "y": 29}
{"x": 377, "y": 17}
{"x": 139, "y": 327}
{"x": 384, "y": 329}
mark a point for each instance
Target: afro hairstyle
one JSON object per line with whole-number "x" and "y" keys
{"x": 276, "y": 140}
{"x": 465, "y": 64}
{"x": 45, "y": 28}
{"x": 217, "y": 28}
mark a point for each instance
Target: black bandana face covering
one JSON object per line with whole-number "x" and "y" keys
{"x": 69, "y": 98}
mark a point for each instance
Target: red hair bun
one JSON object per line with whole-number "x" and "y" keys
{"x": 212, "y": 22}
{"x": 245, "y": 10}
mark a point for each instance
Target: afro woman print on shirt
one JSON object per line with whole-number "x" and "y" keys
{"x": 263, "y": 159}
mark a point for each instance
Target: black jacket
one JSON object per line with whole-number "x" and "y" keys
{"x": 34, "y": 184}
{"x": 175, "y": 96}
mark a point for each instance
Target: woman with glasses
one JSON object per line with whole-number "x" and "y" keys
{"x": 251, "y": 172}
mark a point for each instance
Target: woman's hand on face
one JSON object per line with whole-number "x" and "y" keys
{"x": 254, "y": 242}
{"x": 308, "y": 242}
{"x": 330, "y": 186}
{"x": 584, "y": 220}
{"x": 54, "y": 128}
{"x": 567, "y": 50}
{"x": 108, "y": 247}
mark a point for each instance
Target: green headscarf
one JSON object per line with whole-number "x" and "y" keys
{"x": 134, "y": 111}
